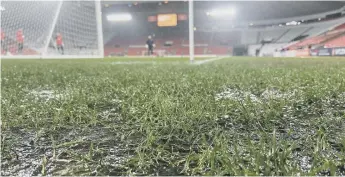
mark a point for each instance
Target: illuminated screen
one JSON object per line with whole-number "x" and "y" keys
{"x": 167, "y": 20}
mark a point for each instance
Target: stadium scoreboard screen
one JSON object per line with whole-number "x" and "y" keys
{"x": 166, "y": 20}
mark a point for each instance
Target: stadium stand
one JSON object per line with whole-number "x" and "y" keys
{"x": 266, "y": 50}
{"x": 338, "y": 42}
{"x": 219, "y": 43}
{"x": 340, "y": 27}
{"x": 273, "y": 34}
{"x": 292, "y": 33}
{"x": 249, "y": 37}
{"x": 333, "y": 34}
{"x": 221, "y": 39}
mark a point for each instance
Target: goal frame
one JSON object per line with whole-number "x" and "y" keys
{"x": 44, "y": 55}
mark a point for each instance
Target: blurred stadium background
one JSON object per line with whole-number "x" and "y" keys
{"x": 276, "y": 28}
{"x": 298, "y": 28}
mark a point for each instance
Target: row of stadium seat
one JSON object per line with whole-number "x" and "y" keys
{"x": 330, "y": 38}
{"x": 285, "y": 34}
{"x": 338, "y": 42}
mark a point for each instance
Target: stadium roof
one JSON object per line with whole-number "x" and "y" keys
{"x": 265, "y": 10}
{"x": 246, "y": 10}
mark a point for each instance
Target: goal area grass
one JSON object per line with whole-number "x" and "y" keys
{"x": 167, "y": 116}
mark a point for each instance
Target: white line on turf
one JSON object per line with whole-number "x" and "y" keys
{"x": 132, "y": 62}
{"x": 165, "y": 62}
{"x": 207, "y": 60}
{"x": 145, "y": 62}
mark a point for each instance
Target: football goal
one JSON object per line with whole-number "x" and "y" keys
{"x": 51, "y": 29}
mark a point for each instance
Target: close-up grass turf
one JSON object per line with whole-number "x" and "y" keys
{"x": 234, "y": 116}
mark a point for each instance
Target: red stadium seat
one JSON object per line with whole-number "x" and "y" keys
{"x": 316, "y": 40}
{"x": 338, "y": 42}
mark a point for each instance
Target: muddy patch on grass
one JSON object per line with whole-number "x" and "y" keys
{"x": 110, "y": 110}
{"x": 65, "y": 152}
{"x": 96, "y": 149}
{"x": 19, "y": 153}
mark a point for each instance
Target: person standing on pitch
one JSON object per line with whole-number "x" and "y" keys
{"x": 20, "y": 41}
{"x": 149, "y": 45}
{"x": 59, "y": 43}
{"x": 3, "y": 47}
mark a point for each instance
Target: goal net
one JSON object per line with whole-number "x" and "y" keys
{"x": 51, "y": 29}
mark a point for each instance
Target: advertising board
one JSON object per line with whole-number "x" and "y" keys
{"x": 325, "y": 52}
{"x": 339, "y": 51}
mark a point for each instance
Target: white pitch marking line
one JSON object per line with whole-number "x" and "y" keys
{"x": 132, "y": 62}
{"x": 144, "y": 62}
{"x": 208, "y": 60}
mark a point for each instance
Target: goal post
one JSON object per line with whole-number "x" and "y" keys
{"x": 52, "y": 26}
{"x": 78, "y": 23}
{"x": 98, "y": 13}
{"x": 191, "y": 30}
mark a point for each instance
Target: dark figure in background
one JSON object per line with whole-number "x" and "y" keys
{"x": 310, "y": 50}
{"x": 150, "y": 45}
{"x": 257, "y": 52}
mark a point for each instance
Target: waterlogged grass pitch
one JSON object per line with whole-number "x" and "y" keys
{"x": 235, "y": 116}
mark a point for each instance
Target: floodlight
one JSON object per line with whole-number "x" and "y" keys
{"x": 221, "y": 12}
{"x": 291, "y": 23}
{"x": 119, "y": 17}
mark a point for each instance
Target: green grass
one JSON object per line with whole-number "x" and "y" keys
{"x": 279, "y": 116}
